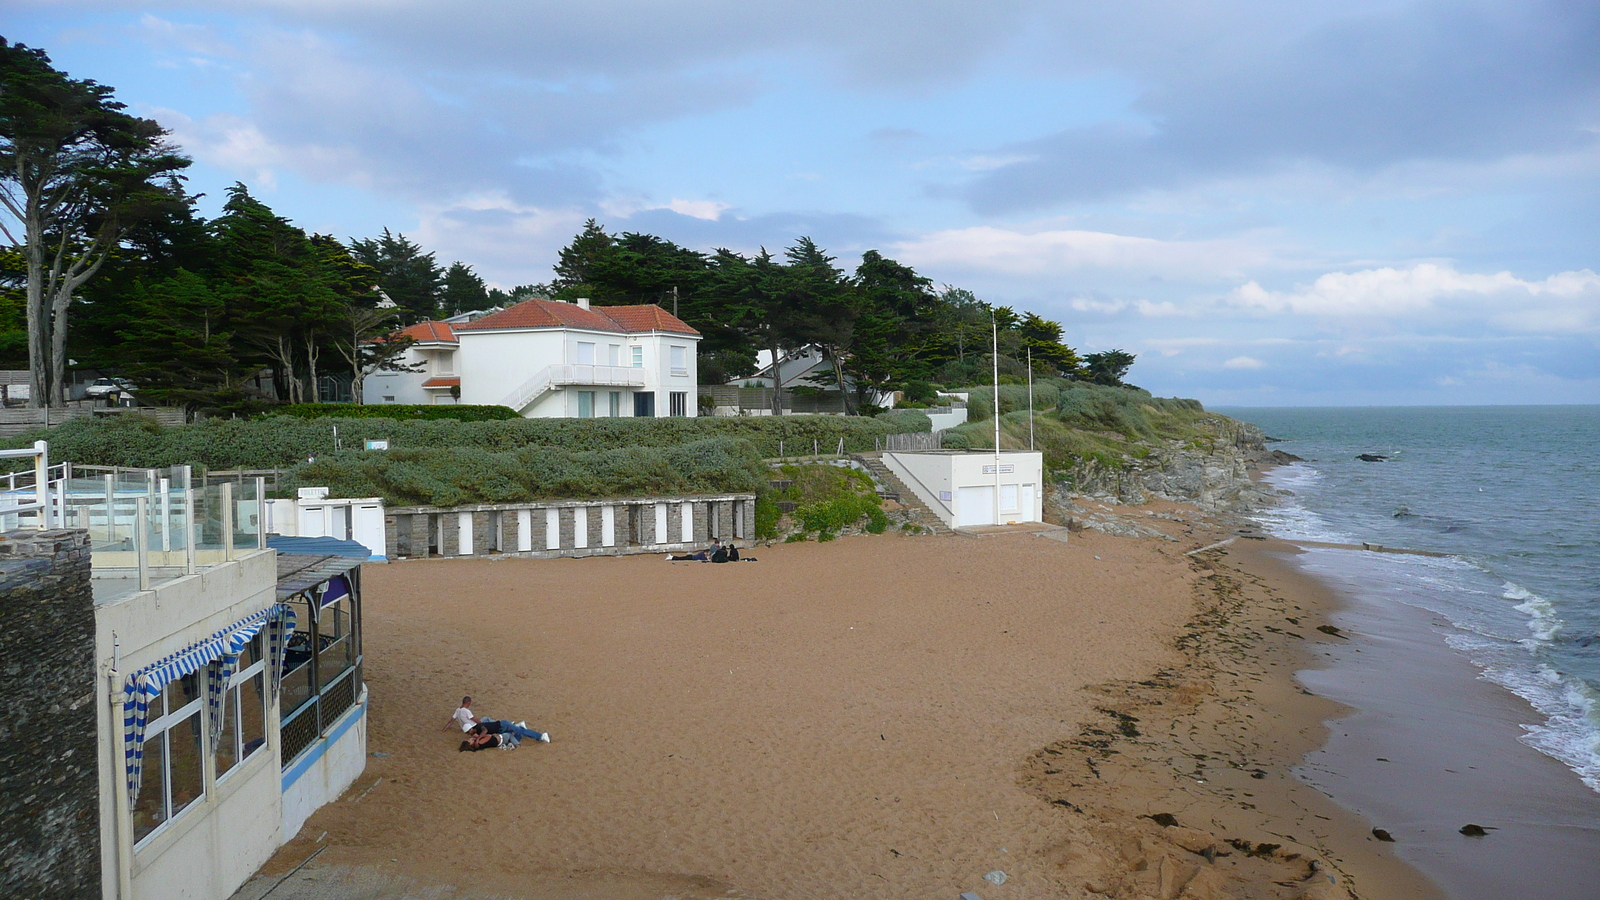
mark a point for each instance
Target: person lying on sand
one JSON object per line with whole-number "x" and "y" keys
{"x": 476, "y": 742}
{"x": 506, "y": 726}
{"x": 715, "y": 553}
{"x": 463, "y": 716}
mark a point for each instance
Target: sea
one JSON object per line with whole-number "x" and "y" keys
{"x": 1511, "y": 497}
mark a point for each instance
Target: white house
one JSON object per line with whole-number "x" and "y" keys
{"x": 549, "y": 359}
{"x": 973, "y": 487}
{"x": 432, "y": 355}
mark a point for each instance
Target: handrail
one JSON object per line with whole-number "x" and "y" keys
{"x": 561, "y": 374}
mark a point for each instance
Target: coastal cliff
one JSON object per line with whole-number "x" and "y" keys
{"x": 1213, "y": 469}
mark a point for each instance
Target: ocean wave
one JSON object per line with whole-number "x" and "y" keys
{"x": 1543, "y": 620}
{"x": 1290, "y": 518}
{"x": 1571, "y": 709}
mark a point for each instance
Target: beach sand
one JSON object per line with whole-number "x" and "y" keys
{"x": 875, "y": 716}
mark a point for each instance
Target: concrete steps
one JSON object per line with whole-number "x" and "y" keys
{"x": 896, "y": 490}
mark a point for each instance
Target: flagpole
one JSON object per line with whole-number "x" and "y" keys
{"x": 994, "y": 356}
{"x": 1030, "y": 396}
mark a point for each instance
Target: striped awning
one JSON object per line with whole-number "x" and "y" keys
{"x": 218, "y": 653}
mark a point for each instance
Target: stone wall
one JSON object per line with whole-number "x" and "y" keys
{"x": 49, "y": 783}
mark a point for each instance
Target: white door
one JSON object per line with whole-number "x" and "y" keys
{"x": 975, "y": 505}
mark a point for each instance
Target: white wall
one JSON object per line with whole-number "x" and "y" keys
{"x": 326, "y": 769}
{"x": 941, "y": 421}
{"x": 213, "y": 846}
{"x": 406, "y": 387}
{"x": 494, "y": 364}
{"x": 938, "y": 478}
{"x": 359, "y": 520}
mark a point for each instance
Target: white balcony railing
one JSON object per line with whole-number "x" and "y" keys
{"x": 572, "y": 374}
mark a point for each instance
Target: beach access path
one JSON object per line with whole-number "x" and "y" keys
{"x": 862, "y": 717}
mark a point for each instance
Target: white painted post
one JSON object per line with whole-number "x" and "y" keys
{"x": 661, "y": 524}
{"x": 165, "y": 488}
{"x": 463, "y": 534}
{"x": 524, "y": 530}
{"x": 608, "y": 526}
{"x": 111, "y": 508}
{"x": 191, "y": 531}
{"x": 580, "y": 527}
{"x": 686, "y": 527}
{"x": 552, "y": 528}
{"x": 227, "y": 520}
{"x": 41, "y": 481}
{"x": 140, "y": 552}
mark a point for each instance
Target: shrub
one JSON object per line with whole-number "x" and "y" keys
{"x": 906, "y": 420}
{"x": 399, "y": 411}
{"x": 955, "y": 440}
{"x": 285, "y": 441}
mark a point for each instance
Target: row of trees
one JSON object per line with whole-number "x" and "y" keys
{"x": 882, "y": 326}
{"x": 105, "y": 239}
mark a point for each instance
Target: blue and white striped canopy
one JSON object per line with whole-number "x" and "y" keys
{"x": 221, "y": 653}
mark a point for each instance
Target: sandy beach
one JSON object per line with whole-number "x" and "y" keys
{"x": 874, "y": 716}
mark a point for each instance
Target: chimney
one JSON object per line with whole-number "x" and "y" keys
{"x": 583, "y": 302}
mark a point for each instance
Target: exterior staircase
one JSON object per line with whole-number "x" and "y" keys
{"x": 895, "y": 489}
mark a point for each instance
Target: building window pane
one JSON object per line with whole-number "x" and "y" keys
{"x": 228, "y": 742}
{"x": 680, "y": 360}
{"x": 644, "y": 404}
{"x": 337, "y": 652}
{"x": 679, "y": 402}
{"x": 585, "y": 353}
{"x": 616, "y": 404}
{"x": 614, "y": 355}
{"x": 298, "y": 686}
{"x": 252, "y": 707}
{"x": 638, "y": 357}
{"x": 151, "y": 809}
{"x": 186, "y": 757}
{"x": 586, "y": 404}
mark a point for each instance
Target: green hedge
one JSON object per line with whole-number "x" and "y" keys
{"x": 461, "y": 475}
{"x": 286, "y": 441}
{"x": 402, "y": 411}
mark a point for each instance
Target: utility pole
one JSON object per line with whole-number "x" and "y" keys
{"x": 674, "y": 301}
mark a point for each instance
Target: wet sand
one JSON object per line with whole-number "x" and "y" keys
{"x": 1434, "y": 747}
{"x": 875, "y": 716}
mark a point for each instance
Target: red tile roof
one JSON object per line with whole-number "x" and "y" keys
{"x": 442, "y": 382}
{"x": 430, "y": 333}
{"x": 555, "y": 314}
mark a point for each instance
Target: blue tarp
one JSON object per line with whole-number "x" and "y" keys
{"x": 318, "y": 546}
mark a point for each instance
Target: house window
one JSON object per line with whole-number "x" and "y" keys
{"x": 638, "y": 357}
{"x": 614, "y": 355}
{"x": 322, "y": 665}
{"x": 585, "y": 353}
{"x": 586, "y": 404}
{"x": 173, "y": 777}
{"x": 244, "y": 722}
{"x": 680, "y": 360}
{"x": 616, "y": 404}
{"x": 644, "y": 404}
{"x": 678, "y": 401}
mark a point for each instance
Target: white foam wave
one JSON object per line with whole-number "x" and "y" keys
{"x": 1571, "y": 730}
{"x": 1543, "y": 621}
{"x": 1290, "y": 518}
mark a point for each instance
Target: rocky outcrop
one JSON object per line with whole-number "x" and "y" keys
{"x": 1214, "y": 473}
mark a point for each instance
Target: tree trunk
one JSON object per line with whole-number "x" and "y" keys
{"x": 777, "y": 386}
{"x": 311, "y": 366}
{"x": 38, "y": 321}
{"x": 838, "y": 376}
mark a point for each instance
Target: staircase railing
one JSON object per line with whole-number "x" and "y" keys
{"x": 562, "y": 374}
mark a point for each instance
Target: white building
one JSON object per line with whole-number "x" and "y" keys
{"x": 970, "y": 487}
{"x": 432, "y": 355}
{"x": 549, "y": 359}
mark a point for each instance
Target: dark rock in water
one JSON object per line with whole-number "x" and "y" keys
{"x": 1331, "y": 629}
{"x": 1471, "y": 830}
{"x": 1267, "y": 438}
{"x": 1371, "y": 457}
{"x": 1278, "y": 458}
{"x": 1382, "y": 835}
{"x": 1404, "y": 513}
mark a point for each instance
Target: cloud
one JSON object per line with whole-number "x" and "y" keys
{"x": 1243, "y": 362}
{"x": 1562, "y": 303}
{"x": 700, "y": 209}
{"x": 1250, "y": 90}
{"x": 989, "y": 248}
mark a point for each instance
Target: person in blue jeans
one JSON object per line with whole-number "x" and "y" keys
{"x": 506, "y": 726}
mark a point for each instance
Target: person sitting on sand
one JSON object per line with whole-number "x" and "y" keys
{"x": 506, "y": 726}
{"x": 699, "y": 555}
{"x": 463, "y": 716}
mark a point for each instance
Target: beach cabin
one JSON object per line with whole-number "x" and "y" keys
{"x": 974, "y": 487}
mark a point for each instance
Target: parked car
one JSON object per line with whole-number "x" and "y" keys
{"x": 105, "y": 387}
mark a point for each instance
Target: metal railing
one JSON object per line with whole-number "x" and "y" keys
{"x": 12, "y": 503}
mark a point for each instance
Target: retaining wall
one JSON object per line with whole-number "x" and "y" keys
{"x": 570, "y": 527}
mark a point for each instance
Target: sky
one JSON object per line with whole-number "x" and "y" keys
{"x": 1325, "y": 204}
